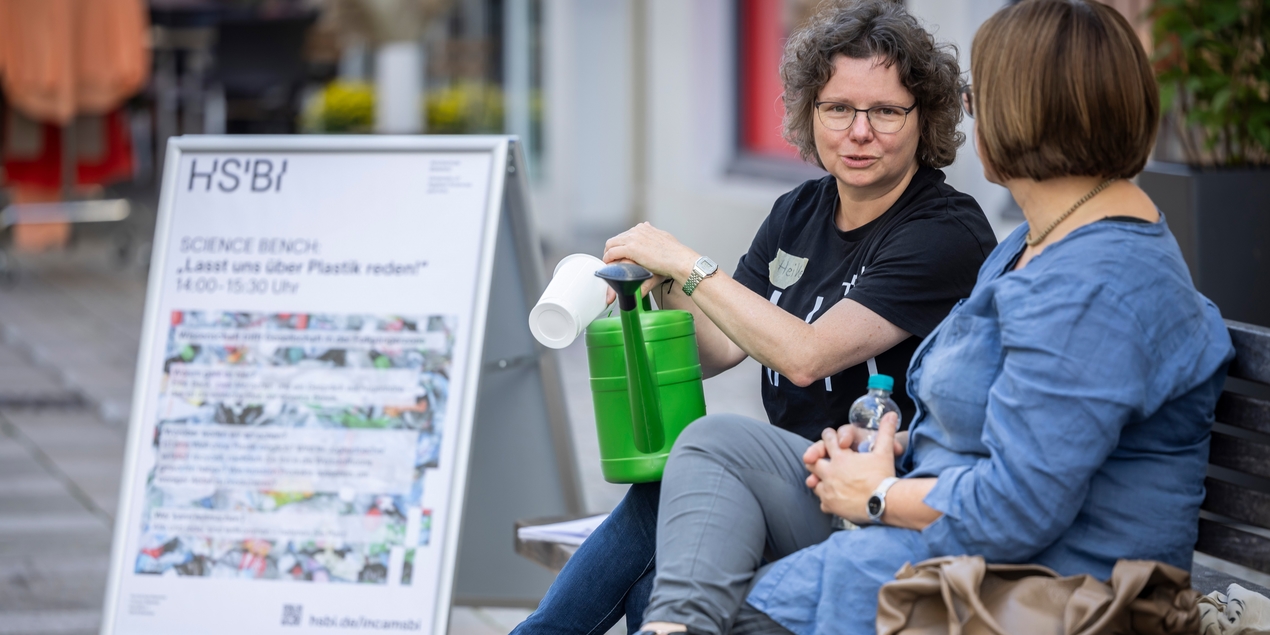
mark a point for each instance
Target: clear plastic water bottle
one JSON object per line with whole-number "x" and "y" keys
{"x": 867, "y": 411}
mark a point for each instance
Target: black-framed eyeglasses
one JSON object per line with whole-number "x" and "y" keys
{"x": 967, "y": 95}
{"x": 884, "y": 119}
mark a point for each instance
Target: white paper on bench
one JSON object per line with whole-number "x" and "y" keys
{"x": 1238, "y": 611}
{"x": 571, "y": 532}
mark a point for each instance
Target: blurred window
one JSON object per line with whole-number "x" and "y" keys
{"x": 485, "y": 71}
{"x": 762, "y": 26}
{"x": 481, "y": 65}
{"x": 761, "y": 38}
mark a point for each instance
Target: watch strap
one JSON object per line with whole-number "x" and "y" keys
{"x": 880, "y": 494}
{"x": 693, "y": 280}
{"x": 697, "y": 275}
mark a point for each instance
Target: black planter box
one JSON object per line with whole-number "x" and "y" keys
{"x": 1221, "y": 218}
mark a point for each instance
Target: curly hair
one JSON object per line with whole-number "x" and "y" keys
{"x": 864, "y": 29}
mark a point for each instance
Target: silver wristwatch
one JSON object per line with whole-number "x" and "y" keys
{"x": 877, "y": 502}
{"x": 702, "y": 269}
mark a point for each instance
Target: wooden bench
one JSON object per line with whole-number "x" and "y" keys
{"x": 552, "y": 555}
{"x": 1235, "y": 522}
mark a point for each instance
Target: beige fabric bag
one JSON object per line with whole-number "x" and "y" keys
{"x": 963, "y": 596}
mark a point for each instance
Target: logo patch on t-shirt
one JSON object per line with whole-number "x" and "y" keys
{"x": 785, "y": 269}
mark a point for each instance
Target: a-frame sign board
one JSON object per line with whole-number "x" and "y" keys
{"x": 339, "y": 409}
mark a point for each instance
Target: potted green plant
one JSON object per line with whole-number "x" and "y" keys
{"x": 1211, "y": 177}
{"x": 394, "y": 28}
{"x": 466, "y": 107}
{"x": 340, "y": 107}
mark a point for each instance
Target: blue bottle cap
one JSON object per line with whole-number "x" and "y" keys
{"x": 885, "y": 382}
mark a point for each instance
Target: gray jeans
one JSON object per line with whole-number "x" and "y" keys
{"x": 733, "y": 495}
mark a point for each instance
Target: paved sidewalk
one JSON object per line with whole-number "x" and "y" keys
{"x": 59, "y": 468}
{"x": 54, "y": 527}
{"x": 79, "y": 317}
{"x": 69, "y": 334}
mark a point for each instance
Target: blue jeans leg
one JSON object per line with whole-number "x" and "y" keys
{"x": 610, "y": 575}
{"x": 637, "y": 601}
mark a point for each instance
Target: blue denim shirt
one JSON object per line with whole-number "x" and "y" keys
{"x": 1065, "y": 409}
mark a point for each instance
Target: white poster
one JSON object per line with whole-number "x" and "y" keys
{"x": 304, "y": 397}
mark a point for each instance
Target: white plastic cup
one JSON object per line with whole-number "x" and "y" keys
{"x": 572, "y": 300}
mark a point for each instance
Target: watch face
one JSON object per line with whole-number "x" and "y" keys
{"x": 875, "y": 505}
{"x": 707, "y": 265}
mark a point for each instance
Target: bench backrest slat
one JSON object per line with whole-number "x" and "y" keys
{"x": 1244, "y": 412}
{"x": 1237, "y": 503}
{"x": 1238, "y": 495}
{"x": 1252, "y": 352}
{"x": 1233, "y": 545}
{"x": 1249, "y": 457}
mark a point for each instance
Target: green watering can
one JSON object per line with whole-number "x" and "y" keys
{"x": 645, "y": 379}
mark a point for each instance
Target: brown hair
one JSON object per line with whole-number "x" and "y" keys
{"x": 1063, "y": 88}
{"x": 865, "y": 29}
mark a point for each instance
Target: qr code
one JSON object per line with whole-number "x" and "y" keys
{"x": 291, "y": 614}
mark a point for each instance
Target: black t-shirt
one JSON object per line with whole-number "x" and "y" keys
{"x": 910, "y": 266}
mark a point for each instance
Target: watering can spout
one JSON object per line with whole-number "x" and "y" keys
{"x": 646, "y": 420}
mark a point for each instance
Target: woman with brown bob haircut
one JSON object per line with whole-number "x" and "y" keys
{"x": 1064, "y": 408}
{"x": 842, "y": 280}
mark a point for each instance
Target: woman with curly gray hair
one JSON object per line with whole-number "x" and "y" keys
{"x": 844, "y": 278}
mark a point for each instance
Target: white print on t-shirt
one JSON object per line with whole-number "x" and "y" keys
{"x": 819, "y": 301}
{"x": 773, "y": 377}
{"x": 848, "y": 285}
{"x": 873, "y": 362}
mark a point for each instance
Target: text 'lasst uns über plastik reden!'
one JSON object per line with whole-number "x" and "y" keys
{"x": 268, "y": 265}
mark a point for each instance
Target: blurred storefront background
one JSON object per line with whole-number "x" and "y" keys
{"x": 666, "y": 111}
{"x": 630, "y": 110}
{"x": 670, "y": 112}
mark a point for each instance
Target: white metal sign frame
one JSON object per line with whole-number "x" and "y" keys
{"x": 154, "y": 323}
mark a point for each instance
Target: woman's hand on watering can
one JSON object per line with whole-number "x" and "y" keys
{"x": 653, "y": 249}
{"x": 610, "y": 296}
